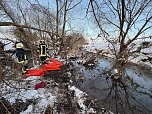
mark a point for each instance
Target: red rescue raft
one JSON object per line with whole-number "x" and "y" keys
{"x": 56, "y": 62}
{"x": 49, "y": 66}
{"x": 34, "y": 72}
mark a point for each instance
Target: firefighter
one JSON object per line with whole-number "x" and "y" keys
{"x": 42, "y": 49}
{"x": 21, "y": 56}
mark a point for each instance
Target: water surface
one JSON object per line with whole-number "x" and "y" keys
{"x": 135, "y": 98}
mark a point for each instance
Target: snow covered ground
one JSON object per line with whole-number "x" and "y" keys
{"x": 143, "y": 55}
{"x": 43, "y": 96}
{"x": 139, "y": 58}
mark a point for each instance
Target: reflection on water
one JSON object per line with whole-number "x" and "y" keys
{"x": 135, "y": 97}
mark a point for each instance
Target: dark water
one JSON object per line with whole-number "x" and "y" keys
{"x": 135, "y": 98}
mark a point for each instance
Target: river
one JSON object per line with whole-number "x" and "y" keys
{"x": 134, "y": 98}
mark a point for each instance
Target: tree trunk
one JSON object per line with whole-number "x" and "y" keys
{"x": 64, "y": 20}
{"x": 57, "y": 17}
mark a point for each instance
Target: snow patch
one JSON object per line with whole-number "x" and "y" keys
{"x": 22, "y": 94}
{"x": 79, "y": 94}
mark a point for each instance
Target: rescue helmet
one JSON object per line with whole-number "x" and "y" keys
{"x": 19, "y": 45}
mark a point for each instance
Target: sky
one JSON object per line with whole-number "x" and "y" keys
{"x": 77, "y": 22}
{"x": 76, "y": 17}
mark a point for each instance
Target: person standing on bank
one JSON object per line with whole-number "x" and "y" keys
{"x": 42, "y": 49}
{"x": 20, "y": 52}
{"x": 21, "y": 56}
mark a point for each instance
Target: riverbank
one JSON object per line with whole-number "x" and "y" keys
{"x": 136, "y": 61}
{"x": 139, "y": 61}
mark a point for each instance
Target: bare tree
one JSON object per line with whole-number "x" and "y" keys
{"x": 125, "y": 21}
{"x": 62, "y": 9}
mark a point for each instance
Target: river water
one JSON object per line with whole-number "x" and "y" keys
{"x": 134, "y": 98}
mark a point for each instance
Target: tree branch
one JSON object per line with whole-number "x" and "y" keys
{"x": 23, "y": 26}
